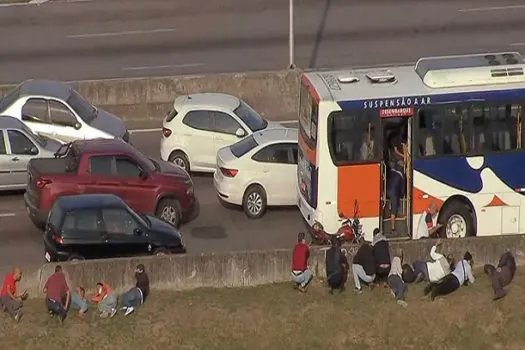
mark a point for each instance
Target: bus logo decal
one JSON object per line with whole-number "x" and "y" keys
{"x": 397, "y": 102}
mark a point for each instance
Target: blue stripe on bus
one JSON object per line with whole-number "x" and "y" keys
{"x": 509, "y": 94}
{"x": 455, "y": 172}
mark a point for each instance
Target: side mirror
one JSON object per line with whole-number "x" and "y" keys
{"x": 137, "y": 232}
{"x": 143, "y": 175}
{"x": 240, "y": 132}
{"x": 77, "y": 126}
{"x": 33, "y": 151}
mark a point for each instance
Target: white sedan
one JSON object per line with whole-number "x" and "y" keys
{"x": 259, "y": 171}
{"x": 200, "y": 124}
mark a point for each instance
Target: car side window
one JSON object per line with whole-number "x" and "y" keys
{"x": 35, "y": 110}
{"x": 100, "y": 165}
{"x": 225, "y": 123}
{"x": 200, "y": 120}
{"x": 127, "y": 168}
{"x": 61, "y": 115}
{"x": 3, "y": 149}
{"x": 119, "y": 221}
{"x": 20, "y": 143}
{"x": 80, "y": 220}
{"x": 294, "y": 151}
{"x": 277, "y": 153}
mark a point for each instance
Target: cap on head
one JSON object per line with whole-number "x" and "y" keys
{"x": 300, "y": 236}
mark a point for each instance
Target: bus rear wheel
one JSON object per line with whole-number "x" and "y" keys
{"x": 457, "y": 221}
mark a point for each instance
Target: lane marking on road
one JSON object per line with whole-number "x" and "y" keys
{"x": 7, "y": 215}
{"x": 37, "y": 2}
{"x": 143, "y": 131}
{"x": 128, "y": 32}
{"x": 493, "y": 8}
{"x": 517, "y": 44}
{"x": 169, "y": 66}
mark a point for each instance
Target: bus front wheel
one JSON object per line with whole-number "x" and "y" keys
{"x": 457, "y": 221}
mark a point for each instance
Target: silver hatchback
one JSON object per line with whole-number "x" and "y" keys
{"x": 18, "y": 144}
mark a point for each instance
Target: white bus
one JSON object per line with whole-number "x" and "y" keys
{"x": 459, "y": 118}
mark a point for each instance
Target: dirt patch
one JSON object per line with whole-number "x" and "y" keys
{"x": 278, "y": 317}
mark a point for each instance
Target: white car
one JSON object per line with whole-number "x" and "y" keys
{"x": 200, "y": 124}
{"x": 55, "y": 110}
{"x": 259, "y": 171}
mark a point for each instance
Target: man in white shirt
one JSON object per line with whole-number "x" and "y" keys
{"x": 432, "y": 271}
{"x": 461, "y": 275}
{"x": 425, "y": 226}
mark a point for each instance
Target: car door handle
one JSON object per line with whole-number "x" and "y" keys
{"x": 105, "y": 238}
{"x": 15, "y": 159}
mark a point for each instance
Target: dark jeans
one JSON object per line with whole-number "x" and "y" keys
{"x": 398, "y": 286}
{"x": 498, "y": 279}
{"x": 11, "y": 305}
{"x": 132, "y": 297}
{"x": 421, "y": 267}
{"x": 57, "y": 308}
{"x": 382, "y": 273}
{"x": 395, "y": 190}
{"x": 448, "y": 285}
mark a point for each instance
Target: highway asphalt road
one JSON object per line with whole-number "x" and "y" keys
{"x": 92, "y": 39}
{"x": 217, "y": 229}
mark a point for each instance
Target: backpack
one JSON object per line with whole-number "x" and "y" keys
{"x": 408, "y": 273}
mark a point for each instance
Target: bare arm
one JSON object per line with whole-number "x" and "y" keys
{"x": 434, "y": 254}
{"x": 470, "y": 275}
{"x": 68, "y": 299}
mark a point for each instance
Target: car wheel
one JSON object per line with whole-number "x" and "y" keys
{"x": 161, "y": 252}
{"x": 75, "y": 257}
{"x": 457, "y": 221}
{"x": 180, "y": 159}
{"x": 169, "y": 210}
{"x": 254, "y": 202}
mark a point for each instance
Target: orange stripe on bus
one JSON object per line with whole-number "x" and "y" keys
{"x": 361, "y": 183}
{"x": 311, "y": 89}
{"x": 420, "y": 204}
{"x": 309, "y": 153}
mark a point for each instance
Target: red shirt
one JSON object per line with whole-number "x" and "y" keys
{"x": 9, "y": 282}
{"x": 56, "y": 286}
{"x": 301, "y": 252}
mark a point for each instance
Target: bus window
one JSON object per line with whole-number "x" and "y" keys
{"x": 351, "y": 136}
{"x": 495, "y": 128}
{"x": 308, "y": 114}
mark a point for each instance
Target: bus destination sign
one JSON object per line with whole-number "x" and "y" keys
{"x": 396, "y": 112}
{"x": 398, "y": 102}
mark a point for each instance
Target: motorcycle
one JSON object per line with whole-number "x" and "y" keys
{"x": 351, "y": 230}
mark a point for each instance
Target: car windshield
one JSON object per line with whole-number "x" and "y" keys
{"x": 41, "y": 141}
{"x": 244, "y": 146}
{"x": 250, "y": 117}
{"x": 85, "y": 110}
{"x": 8, "y": 99}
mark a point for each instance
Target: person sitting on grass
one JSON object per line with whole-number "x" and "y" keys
{"x": 336, "y": 266}
{"x": 12, "y": 303}
{"x": 435, "y": 270}
{"x": 502, "y": 275}
{"x": 79, "y": 302}
{"x": 461, "y": 275}
{"x": 106, "y": 300}
{"x": 137, "y": 295}
{"x": 397, "y": 286}
{"x": 363, "y": 266}
{"x": 381, "y": 250}
{"x": 301, "y": 274}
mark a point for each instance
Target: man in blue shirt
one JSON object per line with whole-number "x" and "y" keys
{"x": 461, "y": 275}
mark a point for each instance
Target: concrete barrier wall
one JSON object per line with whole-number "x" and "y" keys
{"x": 249, "y": 268}
{"x": 274, "y": 94}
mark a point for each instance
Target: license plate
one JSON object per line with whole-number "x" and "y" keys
{"x": 47, "y": 256}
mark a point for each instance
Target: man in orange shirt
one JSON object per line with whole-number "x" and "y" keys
{"x": 106, "y": 300}
{"x": 11, "y": 302}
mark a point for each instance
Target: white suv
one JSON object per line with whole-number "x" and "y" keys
{"x": 200, "y": 124}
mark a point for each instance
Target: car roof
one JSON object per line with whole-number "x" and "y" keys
{"x": 207, "y": 100}
{"x": 43, "y": 87}
{"x": 10, "y": 122}
{"x": 103, "y": 146}
{"x": 88, "y": 201}
{"x": 276, "y": 135}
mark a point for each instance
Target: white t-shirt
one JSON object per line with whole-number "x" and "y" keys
{"x": 424, "y": 224}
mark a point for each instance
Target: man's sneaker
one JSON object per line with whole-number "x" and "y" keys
{"x": 104, "y": 314}
{"x": 402, "y": 303}
{"x": 129, "y": 311}
{"x": 51, "y": 313}
{"x": 18, "y": 316}
{"x": 302, "y": 289}
{"x": 113, "y": 312}
{"x": 358, "y": 291}
{"x": 124, "y": 308}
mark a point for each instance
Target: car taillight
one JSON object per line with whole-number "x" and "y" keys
{"x": 41, "y": 183}
{"x": 166, "y": 132}
{"x": 229, "y": 172}
{"x": 57, "y": 239}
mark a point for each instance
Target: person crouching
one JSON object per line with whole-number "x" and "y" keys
{"x": 336, "y": 266}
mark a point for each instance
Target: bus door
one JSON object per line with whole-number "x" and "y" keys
{"x": 396, "y": 171}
